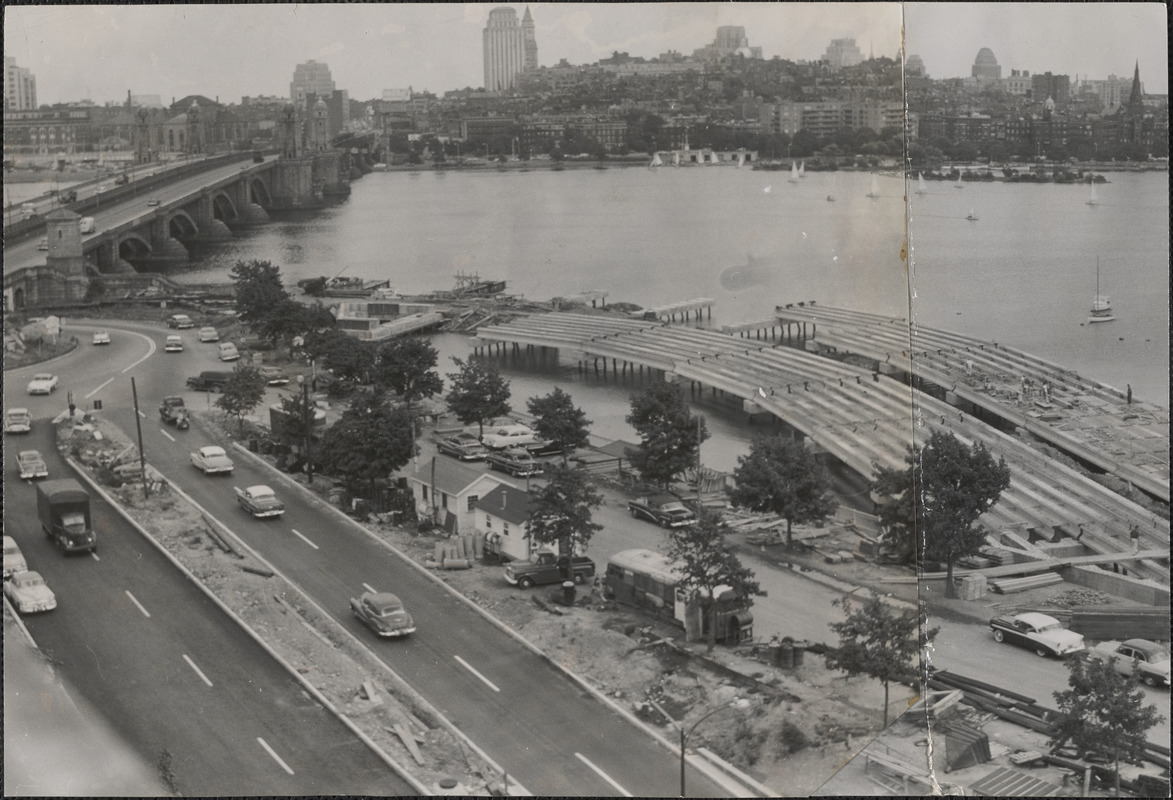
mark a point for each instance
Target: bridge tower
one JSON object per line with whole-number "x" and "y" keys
{"x": 195, "y": 129}
{"x": 290, "y": 133}
{"x": 319, "y": 133}
{"x": 63, "y": 280}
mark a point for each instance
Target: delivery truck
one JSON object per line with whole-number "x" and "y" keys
{"x": 64, "y": 509}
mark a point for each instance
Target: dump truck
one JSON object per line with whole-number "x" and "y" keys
{"x": 64, "y": 508}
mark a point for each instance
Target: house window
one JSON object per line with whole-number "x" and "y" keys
{"x": 444, "y": 500}
{"x": 488, "y": 522}
{"x": 504, "y": 528}
{"x": 425, "y": 488}
{"x": 472, "y": 501}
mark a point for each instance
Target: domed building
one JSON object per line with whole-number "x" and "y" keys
{"x": 985, "y": 66}
{"x": 914, "y": 65}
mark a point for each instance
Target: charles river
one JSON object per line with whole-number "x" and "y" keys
{"x": 1023, "y": 274}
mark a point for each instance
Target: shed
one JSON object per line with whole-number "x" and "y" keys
{"x": 503, "y": 516}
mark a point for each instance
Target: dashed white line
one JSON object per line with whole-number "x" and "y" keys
{"x": 468, "y": 666}
{"x": 100, "y": 388}
{"x": 369, "y": 588}
{"x": 276, "y": 757}
{"x": 142, "y": 414}
{"x": 169, "y": 436}
{"x": 603, "y": 775}
{"x": 307, "y": 541}
{"x": 146, "y": 613}
{"x": 203, "y": 677}
{"x": 94, "y": 555}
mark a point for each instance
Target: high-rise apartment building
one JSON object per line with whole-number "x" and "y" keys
{"x": 510, "y": 48}
{"x": 310, "y": 78}
{"x": 842, "y": 53}
{"x": 20, "y": 87}
{"x": 730, "y": 41}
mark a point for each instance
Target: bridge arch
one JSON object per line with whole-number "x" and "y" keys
{"x": 182, "y": 226}
{"x": 224, "y": 209}
{"x": 133, "y": 248}
{"x": 258, "y": 192}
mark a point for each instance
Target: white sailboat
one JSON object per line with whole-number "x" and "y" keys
{"x": 713, "y": 158}
{"x": 1092, "y": 200}
{"x": 676, "y": 159}
{"x": 793, "y": 173}
{"x": 972, "y": 216}
{"x": 875, "y": 192}
{"x": 1101, "y": 310}
{"x": 656, "y": 162}
{"x": 959, "y": 184}
{"x": 920, "y": 184}
{"x": 802, "y": 170}
{"x": 831, "y": 194}
{"x": 740, "y": 159}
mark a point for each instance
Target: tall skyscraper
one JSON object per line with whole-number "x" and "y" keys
{"x": 842, "y": 53}
{"x": 510, "y": 48}
{"x": 20, "y": 87}
{"x": 310, "y": 78}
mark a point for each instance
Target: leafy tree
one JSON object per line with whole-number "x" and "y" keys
{"x": 1103, "y": 712}
{"x": 945, "y": 489}
{"x": 242, "y": 393}
{"x": 875, "y": 640}
{"x": 478, "y": 392}
{"x": 406, "y": 364}
{"x": 560, "y": 511}
{"x": 558, "y": 420}
{"x": 369, "y": 442}
{"x": 349, "y": 358}
{"x": 670, "y": 435}
{"x": 298, "y": 420}
{"x": 289, "y": 319}
{"x": 706, "y": 561}
{"x": 258, "y": 289}
{"x": 780, "y": 476}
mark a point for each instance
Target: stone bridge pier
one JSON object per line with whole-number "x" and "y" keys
{"x": 249, "y": 206}
{"x": 165, "y": 248}
{"x": 108, "y": 259}
{"x": 208, "y": 227}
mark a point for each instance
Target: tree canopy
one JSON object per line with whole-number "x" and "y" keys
{"x": 560, "y": 511}
{"x": 242, "y": 393}
{"x": 258, "y": 289}
{"x": 780, "y": 476}
{"x": 670, "y": 435}
{"x": 407, "y": 364}
{"x": 558, "y": 420}
{"x": 477, "y": 393}
{"x": 369, "y": 442}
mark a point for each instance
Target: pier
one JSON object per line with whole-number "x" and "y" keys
{"x": 697, "y": 307}
{"x": 861, "y": 417}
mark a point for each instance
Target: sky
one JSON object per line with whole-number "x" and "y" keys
{"x": 99, "y": 52}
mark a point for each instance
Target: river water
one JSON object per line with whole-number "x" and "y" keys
{"x": 1023, "y": 274}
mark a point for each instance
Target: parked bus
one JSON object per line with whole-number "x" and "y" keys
{"x": 647, "y": 580}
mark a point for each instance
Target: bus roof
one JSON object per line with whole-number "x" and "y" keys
{"x": 647, "y": 562}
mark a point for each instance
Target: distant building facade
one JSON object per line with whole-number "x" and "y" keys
{"x": 310, "y": 78}
{"x": 20, "y": 87}
{"x": 915, "y": 65}
{"x": 509, "y": 48}
{"x": 730, "y": 41}
{"x": 842, "y": 53}
{"x": 985, "y": 67}
{"x": 1055, "y": 87}
{"x": 827, "y": 117}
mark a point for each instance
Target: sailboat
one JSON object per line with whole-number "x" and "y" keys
{"x": 802, "y": 170}
{"x": 676, "y": 159}
{"x": 713, "y": 158}
{"x": 656, "y": 162}
{"x": 875, "y": 192}
{"x": 831, "y": 194}
{"x": 740, "y": 159}
{"x": 920, "y": 184}
{"x": 1092, "y": 200}
{"x": 972, "y": 216}
{"x": 793, "y": 173}
{"x": 1101, "y": 310}
{"x": 959, "y": 184}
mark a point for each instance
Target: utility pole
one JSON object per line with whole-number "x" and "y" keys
{"x": 142, "y": 456}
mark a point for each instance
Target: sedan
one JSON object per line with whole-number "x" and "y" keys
{"x": 101, "y": 337}
{"x": 42, "y": 383}
{"x": 273, "y": 376}
{"x": 32, "y": 465}
{"x": 174, "y": 344}
{"x": 209, "y": 334}
{"x": 464, "y": 446}
{"x": 153, "y": 202}
{"x": 260, "y": 501}
{"x": 211, "y": 460}
{"x": 1149, "y": 659}
{"x": 28, "y": 592}
{"x": 1041, "y": 633}
{"x": 13, "y": 559}
{"x": 383, "y": 613}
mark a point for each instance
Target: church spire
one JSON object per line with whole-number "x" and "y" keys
{"x": 1135, "y": 99}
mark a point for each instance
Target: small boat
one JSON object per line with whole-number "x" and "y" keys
{"x": 972, "y": 217}
{"x": 802, "y": 170}
{"x": 959, "y": 184}
{"x": 676, "y": 159}
{"x": 793, "y": 173}
{"x": 740, "y": 159}
{"x": 1101, "y": 310}
{"x": 920, "y": 184}
{"x": 875, "y": 192}
{"x": 1092, "y": 200}
{"x": 713, "y": 158}
{"x": 656, "y": 162}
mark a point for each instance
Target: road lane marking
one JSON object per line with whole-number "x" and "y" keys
{"x": 468, "y": 666}
{"x": 369, "y": 588}
{"x": 307, "y": 541}
{"x": 94, "y": 555}
{"x": 603, "y": 775}
{"x": 100, "y": 388}
{"x": 151, "y": 347}
{"x": 169, "y": 436}
{"x": 276, "y": 757}
{"x": 203, "y": 677}
{"x": 142, "y": 414}
{"x": 137, "y": 603}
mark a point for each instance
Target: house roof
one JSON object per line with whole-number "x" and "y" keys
{"x": 450, "y": 477}
{"x": 507, "y": 503}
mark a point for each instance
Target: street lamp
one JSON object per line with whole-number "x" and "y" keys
{"x": 684, "y": 734}
{"x": 305, "y": 418}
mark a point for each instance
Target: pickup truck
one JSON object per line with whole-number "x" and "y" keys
{"x": 515, "y": 461}
{"x": 211, "y": 460}
{"x": 544, "y": 568}
{"x": 171, "y": 408}
{"x": 260, "y": 501}
{"x": 665, "y": 510}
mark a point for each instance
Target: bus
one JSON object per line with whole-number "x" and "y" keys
{"x": 647, "y": 580}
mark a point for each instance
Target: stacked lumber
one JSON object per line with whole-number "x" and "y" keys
{"x": 1010, "y": 585}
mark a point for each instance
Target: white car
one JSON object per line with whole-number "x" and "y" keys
{"x": 174, "y": 344}
{"x": 1149, "y": 659}
{"x": 32, "y": 465}
{"x": 209, "y": 334}
{"x": 17, "y": 420}
{"x": 101, "y": 337}
{"x": 13, "y": 559}
{"x": 42, "y": 383}
{"x": 227, "y": 351}
{"x": 28, "y": 592}
{"x": 211, "y": 459}
{"x": 505, "y": 436}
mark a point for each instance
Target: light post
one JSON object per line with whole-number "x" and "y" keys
{"x": 684, "y": 734}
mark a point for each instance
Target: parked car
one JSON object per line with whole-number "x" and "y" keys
{"x": 42, "y": 383}
{"x": 383, "y": 613}
{"x": 101, "y": 337}
{"x": 28, "y": 592}
{"x": 17, "y": 420}
{"x": 504, "y": 436}
{"x": 273, "y": 376}
{"x": 544, "y": 448}
{"x": 464, "y": 446}
{"x": 174, "y": 344}
{"x": 260, "y": 501}
{"x": 211, "y": 460}
{"x": 32, "y": 465}
{"x": 1041, "y": 633}
{"x": 228, "y": 351}
{"x": 515, "y": 461}
{"x": 1149, "y": 659}
{"x": 666, "y": 510}
{"x": 543, "y": 568}
{"x": 13, "y": 559}
{"x": 209, "y": 334}
{"x": 180, "y": 321}
{"x": 43, "y": 244}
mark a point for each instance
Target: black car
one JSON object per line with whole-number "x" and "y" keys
{"x": 666, "y": 510}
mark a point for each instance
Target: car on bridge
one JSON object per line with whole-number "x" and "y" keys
{"x": 32, "y": 465}
{"x": 260, "y": 501}
{"x": 1039, "y": 632}
{"x": 154, "y": 201}
{"x": 42, "y": 383}
{"x": 383, "y": 613}
{"x": 101, "y": 337}
{"x": 211, "y": 460}
{"x": 28, "y": 592}
{"x": 43, "y": 244}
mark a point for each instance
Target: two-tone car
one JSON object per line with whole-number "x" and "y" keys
{"x": 42, "y": 383}
{"x": 464, "y": 446}
{"x": 383, "y": 613}
{"x": 101, "y": 337}
{"x": 666, "y": 510}
{"x": 31, "y": 464}
{"x": 212, "y": 460}
{"x": 13, "y": 559}
{"x": 1041, "y": 633}
{"x": 1149, "y": 660}
{"x": 260, "y": 501}
{"x": 29, "y": 594}
{"x": 273, "y": 376}
{"x": 515, "y": 461}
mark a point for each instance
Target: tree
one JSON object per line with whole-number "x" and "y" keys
{"x": 780, "y": 476}
{"x": 258, "y": 289}
{"x": 560, "y": 511}
{"x": 370, "y": 441}
{"x": 705, "y": 561}
{"x": 875, "y": 640}
{"x": 556, "y": 419}
{"x": 289, "y": 319}
{"x": 348, "y": 357}
{"x": 1103, "y": 712}
{"x": 670, "y": 435}
{"x": 478, "y": 392}
{"x": 242, "y": 393}
{"x": 406, "y": 365}
{"x": 945, "y": 489}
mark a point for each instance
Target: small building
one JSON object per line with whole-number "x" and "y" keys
{"x": 503, "y": 516}
{"x": 446, "y": 491}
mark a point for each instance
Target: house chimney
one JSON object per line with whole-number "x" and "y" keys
{"x": 504, "y": 500}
